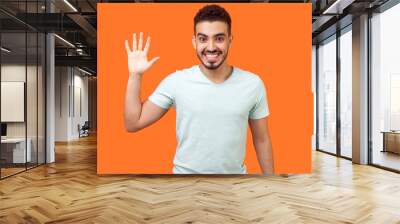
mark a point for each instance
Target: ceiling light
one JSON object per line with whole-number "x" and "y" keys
{"x": 70, "y": 5}
{"x": 5, "y": 50}
{"x": 84, "y": 71}
{"x": 337, "y": 7}
{"x": 65, "y": 41}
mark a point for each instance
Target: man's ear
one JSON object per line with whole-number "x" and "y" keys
{"x": 230, "y": 40}
{"x": 194, "y": 42}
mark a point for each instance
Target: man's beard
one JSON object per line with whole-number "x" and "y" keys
{"x": 213, "y": 66}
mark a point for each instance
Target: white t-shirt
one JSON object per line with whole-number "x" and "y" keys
{"x": 211, "y": 118}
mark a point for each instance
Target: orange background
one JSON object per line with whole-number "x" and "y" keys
{"x": 271, "y": 40}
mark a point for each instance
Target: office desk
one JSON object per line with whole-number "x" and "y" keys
{"x": 391, "y": 141}
{"x": 13, "y": 150}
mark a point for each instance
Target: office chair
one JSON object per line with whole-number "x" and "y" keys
{"x": 84, "y": 130}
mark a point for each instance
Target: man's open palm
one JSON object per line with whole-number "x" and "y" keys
{"x": 137, "y": 57}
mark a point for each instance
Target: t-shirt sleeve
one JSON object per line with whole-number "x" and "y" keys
{"x": 164, "y": 95}
{"x": 260, "y": 108}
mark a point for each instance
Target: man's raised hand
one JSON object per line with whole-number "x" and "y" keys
{"x": 137, "y": 57}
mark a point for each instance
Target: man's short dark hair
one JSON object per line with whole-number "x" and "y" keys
{"x": 212, "y": 13}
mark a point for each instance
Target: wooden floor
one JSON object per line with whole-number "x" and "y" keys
{"x": 70, "y": 191}
{"x": 387, "y": 159}
{"x": 5, "y": 172}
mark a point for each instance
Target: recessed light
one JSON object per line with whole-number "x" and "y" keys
{"x": 84, "y": 71}
{"x": 5, "y": 50}
{"x": 71, "y": 6}
{"x": 64, "y": 40}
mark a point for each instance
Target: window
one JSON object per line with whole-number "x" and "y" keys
{"x": 346, "y": 93}
{"x": 385, "y": 88}
{"x": 327, "y": 95}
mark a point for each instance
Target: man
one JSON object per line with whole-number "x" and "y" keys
{"x": 214, "y": 102}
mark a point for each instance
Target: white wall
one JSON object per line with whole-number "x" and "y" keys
{"x": 71, "y": 93}
{"x": 80, "y": 84}
{"x": 61, "y": 103}
{"x": 15, "y": 72}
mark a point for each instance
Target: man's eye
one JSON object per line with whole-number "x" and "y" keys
{"x": 202, "y": 39}
{"x": 220, "y": 39}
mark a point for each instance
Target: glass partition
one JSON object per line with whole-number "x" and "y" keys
{"x": 22, "y": 67}
{"x": 14, "y": 154}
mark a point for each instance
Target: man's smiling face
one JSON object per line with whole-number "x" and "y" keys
{"x": 212, "y": 42}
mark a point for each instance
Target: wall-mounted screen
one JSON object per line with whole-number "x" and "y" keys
{"x": 12, "y": 101}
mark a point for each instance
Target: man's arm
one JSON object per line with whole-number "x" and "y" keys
{"x": 138, "y": 116}
{"x": 262, "y": 144}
